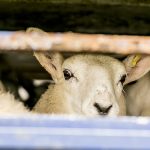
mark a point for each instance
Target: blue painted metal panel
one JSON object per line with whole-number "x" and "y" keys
{"x": 58, "y": 132}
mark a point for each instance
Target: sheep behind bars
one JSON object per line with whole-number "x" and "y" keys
{"x": 85, "y": 84}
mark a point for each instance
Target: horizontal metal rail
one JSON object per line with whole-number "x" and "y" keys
{"x": 60, "y": 132}
{"x": 74, "y": 42}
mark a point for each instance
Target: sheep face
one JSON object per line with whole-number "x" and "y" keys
{"x": 93, "y": 84}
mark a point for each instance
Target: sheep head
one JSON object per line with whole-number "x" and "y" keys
{"x": 88, "y": 84}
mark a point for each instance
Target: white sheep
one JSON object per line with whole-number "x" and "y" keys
{"x": 84, "y": 84}
{"x": 138, "y": 94}
{"x": 9, "y": 105}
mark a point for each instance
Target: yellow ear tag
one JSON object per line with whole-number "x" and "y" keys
{"x": 135, "y": 60}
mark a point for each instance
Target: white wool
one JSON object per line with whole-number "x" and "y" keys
{"x": 9, "y": 105}
{"x": 138, "y": 97}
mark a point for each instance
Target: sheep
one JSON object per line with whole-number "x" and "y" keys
{"x": 9, "y": 105}
{"x": 84, "y": 84}
{"x": 138, "y": 94}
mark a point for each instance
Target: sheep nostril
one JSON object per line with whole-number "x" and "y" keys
{"x": 102, "y": 110}
{"x": 108, "y": 109}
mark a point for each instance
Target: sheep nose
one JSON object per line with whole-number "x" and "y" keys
{"x": 102, "y": 110}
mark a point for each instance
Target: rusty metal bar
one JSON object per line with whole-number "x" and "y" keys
{"x": 74, "y": 42}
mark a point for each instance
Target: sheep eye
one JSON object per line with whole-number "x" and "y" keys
{"x": 123, "y": 78}
{"x": 67, "y": 74}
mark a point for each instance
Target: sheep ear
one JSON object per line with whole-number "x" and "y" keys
{"x": 36, "y": 30}
{"x": 52, "y": 62}
{"x": 136, "y": 66}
